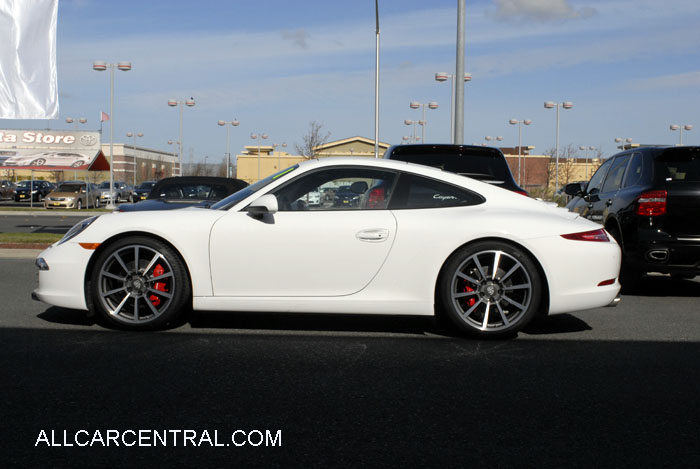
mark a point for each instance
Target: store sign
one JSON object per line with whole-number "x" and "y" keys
{"x": 48, "y": 149}
{"x": 61, "y": 139}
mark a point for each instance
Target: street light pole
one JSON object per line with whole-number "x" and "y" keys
{"x": 259, "y": 137}
{"x": 564, "y": 105}
{"x": 234, "y": 123}
{"x": 416, "y": 105}
{"x": 101, "y": 66}
{"x": 681, "y": 128}
{"x": 520, "y": 140}
{"x": 173, "y": 103}
{"x": 443, "y": 76}
{"x": 459, "y": 94}
{"x": 376, "y": 86}
{"x": 134, "y": 134}
{"x": 622, "y": 142}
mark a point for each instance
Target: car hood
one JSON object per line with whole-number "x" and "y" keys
{"x": 155, "y": 204}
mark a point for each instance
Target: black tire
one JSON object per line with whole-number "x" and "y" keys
{"x": 38, "y": 162}
{"x": 485, "y": 305}
{"x": 77, "y": 164}
{"x": 97, "y": 202}
{"x": 79, "y": 204}
{"x": 134, "y": 298}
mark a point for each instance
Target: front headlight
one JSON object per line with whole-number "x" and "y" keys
{"x": 77, "y": 229}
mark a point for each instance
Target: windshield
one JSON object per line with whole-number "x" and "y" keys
{"x": 25, "y": 184}
{"x": 69, "y": 188}
{"x": 236, "y": 197}
{"x": 146, "y": 185}
{"x": 105, "y": 185}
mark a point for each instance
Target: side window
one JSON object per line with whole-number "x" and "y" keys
{"x": 597, "y": 179}
{"x": 414, "y": 192}
{"x": 634, "y": 171}
{"x": 614, "y": 180}
{"x": 348, "y": 188}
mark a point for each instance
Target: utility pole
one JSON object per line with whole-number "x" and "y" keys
{"x": 459, "y": 91}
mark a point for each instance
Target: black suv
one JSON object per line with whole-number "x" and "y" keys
{"x": 648, "y": 199}
{"x": 486, "y": 164}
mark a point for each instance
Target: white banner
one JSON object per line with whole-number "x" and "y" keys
{"x": 28, "y": 83}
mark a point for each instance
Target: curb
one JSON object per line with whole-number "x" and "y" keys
{"x": 23, "y": 253}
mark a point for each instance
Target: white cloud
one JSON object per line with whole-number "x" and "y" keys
{"x": 681, "y": 80}
{"x": 539, "y": 10}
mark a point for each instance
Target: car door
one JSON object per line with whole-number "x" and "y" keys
{"x": 328, "y": 250}
{"x": 613, "y": 181}
{"x": 584, "y": 203}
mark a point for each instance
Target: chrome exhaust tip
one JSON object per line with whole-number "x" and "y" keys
{"x": 658, "y": 255}
{"x": 615, "y": 301}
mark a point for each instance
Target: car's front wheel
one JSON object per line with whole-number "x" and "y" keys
{"x": 490, "y": 289}
{"x": 139, "y": 283}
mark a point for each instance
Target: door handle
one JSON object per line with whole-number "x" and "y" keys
{"x": 375, "y": 235}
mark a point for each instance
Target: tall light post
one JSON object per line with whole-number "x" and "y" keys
{"x": 70, "y": 120}
{"x": 586, "y": 148}
{"x": 681, "y": 128}
{"x": 279, "y": 154}
{"x": 519, "y": 123}
{"x": 459, "y": 71}
{"x": 564, "y": 105}
{"x": 101, "y": 66}
{"x": 234, "y": 123}
{"x": 443, "y": 76}
{"x": 413, "y": 123}
{"x": 134, "y": 134}
{"x": 622, "y": 142}
{"x": 174, "y": 142}
{"x": 173, "y": 103}
{"x": 259, "y": 137}
{"x": 376, "y": 85}
{"x": 416, "y": 105}
{"x": 488, "y": 138}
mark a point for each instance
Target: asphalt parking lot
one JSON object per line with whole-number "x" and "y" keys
{"x": 611, "y": 386}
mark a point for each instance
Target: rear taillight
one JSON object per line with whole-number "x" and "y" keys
{"x": 376, "y": 198}
{"x": 522, "y": 193}
{"x": 595, "y": 235}
{"x": 651, "y": 203}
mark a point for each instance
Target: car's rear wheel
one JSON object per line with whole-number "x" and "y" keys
{"x": 490, "y": 289}
{"x": 139, "y": 283}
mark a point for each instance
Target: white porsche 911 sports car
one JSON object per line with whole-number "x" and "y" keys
{"x": 419, "y": 241}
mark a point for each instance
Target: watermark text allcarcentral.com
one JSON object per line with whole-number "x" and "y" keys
{"x": 150, "y": 437}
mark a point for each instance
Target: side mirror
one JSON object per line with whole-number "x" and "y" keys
{"x": 265, "y": 204}
{"x": 573, "y": 189}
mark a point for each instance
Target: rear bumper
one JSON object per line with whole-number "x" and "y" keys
{"x": 667, "y": 257}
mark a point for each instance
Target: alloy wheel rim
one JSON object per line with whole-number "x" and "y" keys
{"x": 491, "y": 290}
{"x": 136, "y": 284}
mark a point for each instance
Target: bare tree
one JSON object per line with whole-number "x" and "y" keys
{"x": 567, "y": 163}
{"x": 312, "y": 141}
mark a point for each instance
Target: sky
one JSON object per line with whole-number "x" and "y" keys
{"x": 631, "y": 68}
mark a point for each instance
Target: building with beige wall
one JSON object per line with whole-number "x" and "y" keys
{"x": 258, "y": 162}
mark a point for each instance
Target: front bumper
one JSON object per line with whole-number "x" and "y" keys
{"x": 64, "y": 283}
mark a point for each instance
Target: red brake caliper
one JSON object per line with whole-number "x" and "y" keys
{"x": 160, "y": 286}
{"x": 471, "y": 301}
